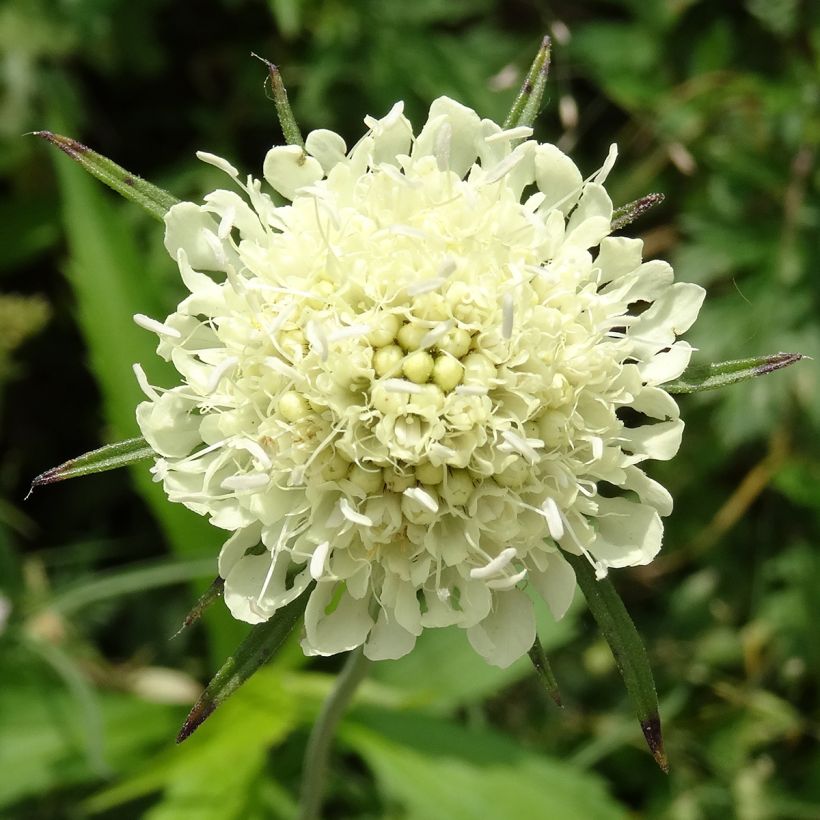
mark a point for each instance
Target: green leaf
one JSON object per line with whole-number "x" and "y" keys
{"x": 627, "y": 648}
{"x": 213, "y": 776}
{"x": 154, "y": 200}
{"x": 699, "y": 377}
{"x": 542, "y": 666}
{"x": 525, "y": 108}
{"x": 437, "y": 770}
{"x": 256, "y": 649}
{"x": 109, "y": 457}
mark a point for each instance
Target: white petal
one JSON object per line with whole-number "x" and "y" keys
{"x": 236, "y": 547}
{"x": 617, "y": 256}
{"x": 456, "y": 125}
{"x": 243, "y": 216}
{"x": 388, "y": 640}
{"x": 558, "y": 178}
{"x": 672, "y": 314}
{"x": 287, "y": 168}
{"x": 345, "y": 628}
{"x": 327, "y": 147}
{"x": 390, "y": 136}
{"x": 628, "y": 534}
{"x": 186, "y": 225}
{"x": 217, "y": 162}
{"x": 666, "y": 366}
{"x": 507, "y": 632}
{"x": 659, "y": 441}
{"x": 594, "y": 201}
{"x": 648, "y": 490}
{"x": 168, "y": 424}
{"x": 556, "y": 584}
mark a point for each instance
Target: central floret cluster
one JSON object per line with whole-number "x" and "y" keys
{"x": 401, "y": 389}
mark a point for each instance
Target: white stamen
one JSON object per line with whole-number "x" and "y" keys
{"x": 553, "y": 516}
{"x": 283, "y": 534}
{"x": 601, "y": 175}
{"x": 407, "y": 230}
{"x": 217, "y": 162}
{"x": 216, "y": 246}
{"x": 496, "y": 565}
{"x": 447, "y": 267}
{"x": 425, "y": 286}
{"x": 441, "y": 145}
{"x": 142, "y": 381}
{"x": 219, "y": 373}
{"x": 438, "y": 332}
{"x": 597, "y": 447}
{"x": 401, "y": 386}
{"x": 423, "y": 497}
{"x": 226, "y": 223}
{"x": 317, "y": 560}
{"x": 156, "y": 327}
{"x": 256, "y": 450}
{"x": 519, "y": 132}
{"x": 508, "y": 314}
{"x": 348, "y": 332}
{"x": 471, "y": 390}
{"x": 503, "y": 168}
{"x": 508, "y": 582}
{"x": 526, "y": 447}
{"x": 443, "y": 594}
{"x": 346, "y": 509}
{"x": 442, "y": 452}
{"x": 279, "y": 366}
{"x": 317, "y": 339}
{"x": 246, "y": 481}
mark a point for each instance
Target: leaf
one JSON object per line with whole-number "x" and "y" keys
{"x": 109, "y": 457}
{"x": 627, "y": 648}
{"x": 258, "y": 647}
{"x": 525, "y": 108}
{"x": 542, "y": 666}
{"x": 213, "y": 776}
{"x": 697, "y": 378}
{"x": 154, "y": 200}
{"x": 438, "y": 770}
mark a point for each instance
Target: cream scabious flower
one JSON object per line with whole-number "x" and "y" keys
{"x": 401, "y": 389}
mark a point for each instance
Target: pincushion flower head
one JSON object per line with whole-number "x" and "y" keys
{"x": 403, "y": 368}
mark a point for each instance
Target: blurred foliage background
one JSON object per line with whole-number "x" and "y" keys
{"x": 715, "y": 104}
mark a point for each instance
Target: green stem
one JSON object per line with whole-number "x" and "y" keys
{"x": 314, "y": 771}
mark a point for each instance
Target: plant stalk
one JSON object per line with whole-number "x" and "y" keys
{"x": 314, "y": 771}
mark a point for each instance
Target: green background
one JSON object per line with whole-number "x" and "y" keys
{"x": 716, "y": 104}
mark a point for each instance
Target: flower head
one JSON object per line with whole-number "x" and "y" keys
{"x": 402, "y": 388}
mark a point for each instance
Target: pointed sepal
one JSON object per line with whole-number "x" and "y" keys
{"x": 109, "y": 457}
{"x": 627, "y": 214}
{"x": 542, "y": 666}
{"x": 149, "y": 197}
{"x": 698, "y": 377}
{"x": 290, "y": 128}
{"x": 260, "y": 645}
{"x": 528, "y": 102}
{"x": 208, "y": 597}
{"x": 628, "y": 650}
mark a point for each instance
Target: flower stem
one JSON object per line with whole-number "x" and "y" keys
{"x": 314, "y": 771}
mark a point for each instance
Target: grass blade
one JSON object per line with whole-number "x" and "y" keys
{"x": 628, "y": 650}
